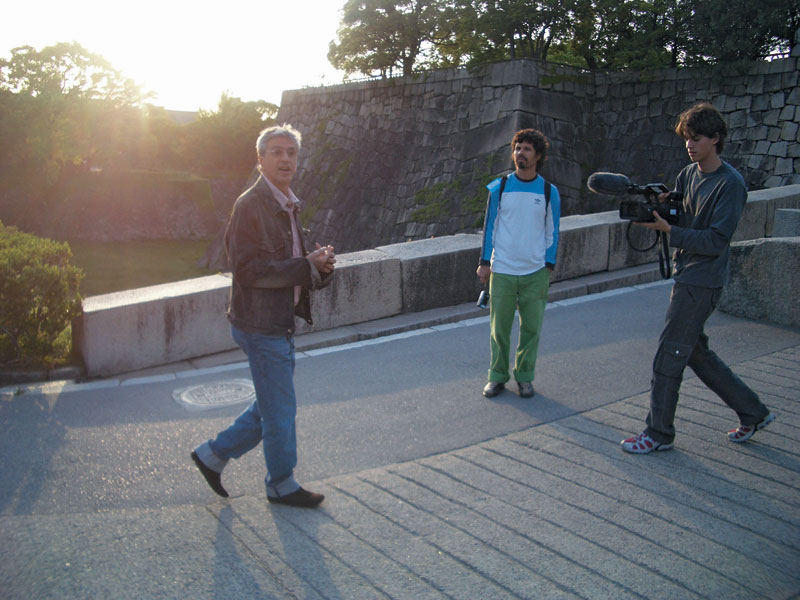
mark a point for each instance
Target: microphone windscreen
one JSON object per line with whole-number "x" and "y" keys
{"x": 609, "y": 183}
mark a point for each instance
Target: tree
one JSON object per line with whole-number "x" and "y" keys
{"x": 522, "y": 28}
{"x": 224, "y": 140}
{"x": 63, "y": 109}
{"x": 736, "y": 30}
{"x": 607, "y": 34}
{"x": 378, "y": 36}
{"x": 165, "y": 140}
{"x": 66, "y": 69}
{"x": 642, "y": 34}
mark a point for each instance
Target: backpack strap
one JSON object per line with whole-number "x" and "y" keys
{"x": 502, "y": 187}
{"x": 546, "y": 194}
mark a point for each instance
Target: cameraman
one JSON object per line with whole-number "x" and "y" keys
{"x": 714, "y": 195}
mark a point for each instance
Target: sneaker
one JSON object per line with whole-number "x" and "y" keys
{"x": 745, "y": 432}
{"x": 643, "y": 444}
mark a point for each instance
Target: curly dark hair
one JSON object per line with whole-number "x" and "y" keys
{"x": 535, "y": 138}
{"x": 702, "y": 119}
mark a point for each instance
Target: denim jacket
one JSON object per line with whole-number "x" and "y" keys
{"x": 258, "y": 241}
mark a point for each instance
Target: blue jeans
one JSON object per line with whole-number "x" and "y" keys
{"x": 270, "y": 419}
{"x": 683, "y": 342}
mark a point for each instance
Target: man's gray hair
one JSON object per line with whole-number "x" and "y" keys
{"x": 284, "y": 130}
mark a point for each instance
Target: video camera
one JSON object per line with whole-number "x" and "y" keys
{"x": 640, "y": 211}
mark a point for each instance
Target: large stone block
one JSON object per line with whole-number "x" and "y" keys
{"x": 583, "y": 245}
{"x": 787, "y": 222}
{"x": 542, "y": 103}
{"x": 753, "y": 222}
{"x": 156, "y": 325}
{"x": 366, "y": 286}
{"x": 439, "y": 271}
{"x": 485, "y": 138}
{"x": 787, "y": 196}
{"x": 764, "y": 280}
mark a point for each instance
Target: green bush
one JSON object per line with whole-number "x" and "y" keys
{"x": 38, "y": 298}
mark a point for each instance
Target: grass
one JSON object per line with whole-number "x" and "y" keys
{"x": 116, "y": 266}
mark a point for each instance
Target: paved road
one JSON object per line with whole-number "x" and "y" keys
{"x": 433, "y": 491}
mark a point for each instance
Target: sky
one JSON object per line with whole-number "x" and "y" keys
{"x": 189, "y": 53}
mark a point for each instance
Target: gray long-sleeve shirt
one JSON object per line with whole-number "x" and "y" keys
{"x": 713, "y": 204}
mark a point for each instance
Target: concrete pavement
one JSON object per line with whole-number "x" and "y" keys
{"x": 555, "y": 510}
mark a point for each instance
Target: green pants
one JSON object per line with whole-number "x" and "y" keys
{"x": 528, "y": 293}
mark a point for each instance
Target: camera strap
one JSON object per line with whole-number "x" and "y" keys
{"x": 662, "y": 239}
{"x": 664, "y": 264}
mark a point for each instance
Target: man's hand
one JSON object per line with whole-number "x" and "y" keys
{"x": 323, "y": 258}
{"x": 483, "y": 273}
{"x": 658, "y": 225}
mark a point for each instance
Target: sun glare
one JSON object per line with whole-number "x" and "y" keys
{"x": 189, "y": 53}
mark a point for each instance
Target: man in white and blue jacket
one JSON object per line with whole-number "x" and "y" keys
{"x": 520, "y": 243}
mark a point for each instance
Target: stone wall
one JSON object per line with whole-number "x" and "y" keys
{"x": 407, "y": 158}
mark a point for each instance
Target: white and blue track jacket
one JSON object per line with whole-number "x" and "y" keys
{"x": 520, "y": 233}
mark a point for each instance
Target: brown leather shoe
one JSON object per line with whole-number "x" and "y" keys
{"x": 493, "y": 388}
{"x": 300, "y": 498}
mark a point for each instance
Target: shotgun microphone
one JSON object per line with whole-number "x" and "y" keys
{"x": 613, "y": 184}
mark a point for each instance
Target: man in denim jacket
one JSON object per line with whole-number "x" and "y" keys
{"x": 272, "y": 276}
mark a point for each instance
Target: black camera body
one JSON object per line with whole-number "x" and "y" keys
{"x": 641, "y": 211}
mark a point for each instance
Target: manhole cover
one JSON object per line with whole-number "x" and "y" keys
{"x": 217, "y": 394}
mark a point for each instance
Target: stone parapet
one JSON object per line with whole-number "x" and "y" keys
{"x": 764, "y": 281}
{"x": 136, "y": 329}
{"x": 438, "y": 271}
{"x": 159, "y": 324}
{"x": 366, "y": 287}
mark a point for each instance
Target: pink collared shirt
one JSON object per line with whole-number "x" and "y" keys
{"x": 289, "y": 204}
